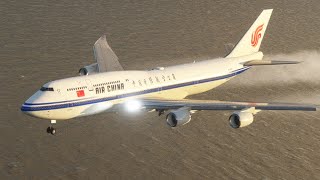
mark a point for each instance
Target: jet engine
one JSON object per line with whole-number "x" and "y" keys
{"x": 90, "y": 69}
{"x": 240, "y": 119}
{"x": 179, "y": 117}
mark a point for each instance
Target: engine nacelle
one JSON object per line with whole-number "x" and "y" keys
{"x": 179, "y": 117}
{"x": 240, "y": 119}
{"x": 87, "y": 70}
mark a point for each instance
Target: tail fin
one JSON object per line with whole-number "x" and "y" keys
{"x": 251, "y": 41}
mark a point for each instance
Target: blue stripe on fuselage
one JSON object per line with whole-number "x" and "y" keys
{"x": 56, "y": 102}
{"x": 72, "y": 103}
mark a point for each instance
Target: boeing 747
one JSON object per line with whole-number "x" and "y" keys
{"x": 106, "y": 87}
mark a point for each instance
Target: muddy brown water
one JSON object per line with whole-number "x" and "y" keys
{"x": 47, "y": 40}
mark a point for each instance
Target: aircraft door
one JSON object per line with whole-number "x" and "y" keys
{"x": 62, "y": 95}
{"x": 89, "y": 85}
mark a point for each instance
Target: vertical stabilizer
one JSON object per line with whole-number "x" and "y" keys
{"x": 251, "y": 41}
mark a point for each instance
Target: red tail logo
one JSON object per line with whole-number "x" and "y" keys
{"x": 256, "y": 35}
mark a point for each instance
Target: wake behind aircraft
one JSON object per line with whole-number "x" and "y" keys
{"x": 106, "y": 87}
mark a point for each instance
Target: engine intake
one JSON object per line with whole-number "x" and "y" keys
{"x": 240, "y": 119}
{"x": 179, "y": 117}
{"x": 90, "y": 69}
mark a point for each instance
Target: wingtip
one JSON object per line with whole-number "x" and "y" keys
{"x": 268, "y": 11}
{"x": 102, "y": 38}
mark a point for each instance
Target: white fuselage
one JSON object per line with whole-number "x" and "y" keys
{"x": 103, "y": 92}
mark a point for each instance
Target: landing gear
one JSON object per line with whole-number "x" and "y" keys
{"x": 51, "y": 129}
{"x": 160, "y": 112}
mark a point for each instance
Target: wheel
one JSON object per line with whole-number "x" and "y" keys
{"x": 51, "y": 130}
{"x": 160, "y": 112}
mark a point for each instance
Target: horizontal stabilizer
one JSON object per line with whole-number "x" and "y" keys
{"x": 264, "y": 62}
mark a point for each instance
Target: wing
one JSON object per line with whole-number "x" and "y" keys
{"x": 105, "y": 57}
{"x": 266, "y": 62}
{"x": 162, "y": 104}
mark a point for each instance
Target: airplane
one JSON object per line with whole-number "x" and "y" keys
{"x": 105, "y": 86}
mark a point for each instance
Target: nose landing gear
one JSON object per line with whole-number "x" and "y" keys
{"x": 160, "y": 112}
{"x": 51, "y": 129}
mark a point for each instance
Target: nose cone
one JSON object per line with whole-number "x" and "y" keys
{"x": 32, "y": 108}
{"x": 27, "y": 108}
{"x": 36, "y": 98}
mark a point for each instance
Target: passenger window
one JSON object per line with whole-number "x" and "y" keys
{"x": 173, "y": 76}
{"x": 157, "y": 79}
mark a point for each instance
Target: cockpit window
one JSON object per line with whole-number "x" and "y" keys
{"x": 46, "y": 89}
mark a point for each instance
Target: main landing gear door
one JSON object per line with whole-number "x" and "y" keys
{"x": 89, "y": 84}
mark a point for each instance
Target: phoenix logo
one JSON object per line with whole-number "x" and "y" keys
{"x": 256, "y": 35}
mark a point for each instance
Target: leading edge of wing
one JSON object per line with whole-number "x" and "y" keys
{"x": 223, "y": 105}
